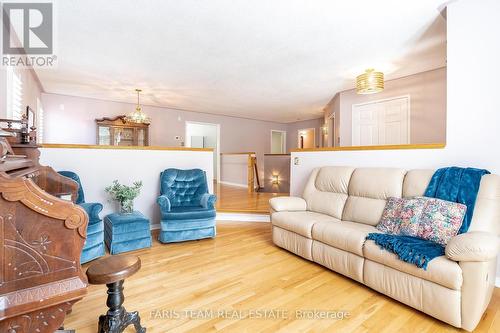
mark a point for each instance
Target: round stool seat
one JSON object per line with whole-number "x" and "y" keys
{"x": 112, "y": 269}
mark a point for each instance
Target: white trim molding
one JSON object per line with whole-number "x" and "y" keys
{"x": 243, "y": 217}
{"x": 233, "y": 184}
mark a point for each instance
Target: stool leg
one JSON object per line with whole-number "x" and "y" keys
{"x": 117, "y": 319}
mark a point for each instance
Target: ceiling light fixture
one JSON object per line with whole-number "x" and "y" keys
{"x": 370, "y": 82}
{"x": 138, "y": 116}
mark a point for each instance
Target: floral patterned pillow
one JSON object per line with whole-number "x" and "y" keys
{"x": 440, "y": 221}
{"x": 427, "y": 218}
{"x": 399, "y": 213}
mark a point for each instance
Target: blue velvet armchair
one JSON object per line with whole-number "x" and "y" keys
{"x": 187, "y": 209}
{"x": 94, "y": 244}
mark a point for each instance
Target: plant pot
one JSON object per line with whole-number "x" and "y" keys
{"x": 127, "y": 207}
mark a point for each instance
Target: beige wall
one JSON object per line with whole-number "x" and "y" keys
{"x": 332, "y": 110}
{"x": 292, "y": 136}
{"x": 427, "y": 93}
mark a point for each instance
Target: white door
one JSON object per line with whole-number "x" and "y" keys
{"x": 198, "y": 142}
{"x": 381, "y": 122}
{"x": 278, "y": 142}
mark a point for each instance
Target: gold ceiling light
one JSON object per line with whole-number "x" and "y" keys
{"x": 370, "y": 82}
{"x": 138, "y": 116}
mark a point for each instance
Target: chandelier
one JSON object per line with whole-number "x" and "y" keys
{"x": 138, "y": 116}
{"x": 370, "y": 82}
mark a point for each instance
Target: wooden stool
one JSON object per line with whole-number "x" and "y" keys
{"x": 112, "y": 271}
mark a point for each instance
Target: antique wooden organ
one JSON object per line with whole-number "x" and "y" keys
{"x": 41, "y": 239}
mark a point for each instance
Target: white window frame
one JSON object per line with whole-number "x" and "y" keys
{"x": 39, "y": 121}
{"x": 14, "y": 94}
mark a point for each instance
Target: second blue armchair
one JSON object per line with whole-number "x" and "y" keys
{"x": 94, "y": 244}
{"x": 187, "y": 209}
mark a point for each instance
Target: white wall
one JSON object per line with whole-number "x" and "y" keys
{"x": 473, "y": 112}
{"x": 127, "y": 166}
{"x": 234, "y": 170}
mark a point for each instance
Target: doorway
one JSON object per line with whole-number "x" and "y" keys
{"x": 205, "y": 135}
{"x": 278, "y": 142}
{"x": 306, "y": 138}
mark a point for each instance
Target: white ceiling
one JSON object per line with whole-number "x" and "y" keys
{"x": 279, "y": 60}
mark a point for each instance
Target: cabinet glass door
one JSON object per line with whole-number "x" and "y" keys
{"x": 141, "y": 137}
{"x": 124, "y": 136}
{"x": 104, "y": 135}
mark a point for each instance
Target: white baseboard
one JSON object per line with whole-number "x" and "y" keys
{"x": 233, "y": 184}
{"x": 497, "y": 282}
{"x": 234, "y": 217}
{"x": 243, "y": 217}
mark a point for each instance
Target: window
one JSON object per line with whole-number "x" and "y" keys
{"x": 14, "y": 94}
{"x": 39, "y": 121}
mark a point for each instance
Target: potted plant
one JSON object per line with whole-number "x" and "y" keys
{"x": 125, "y": 195}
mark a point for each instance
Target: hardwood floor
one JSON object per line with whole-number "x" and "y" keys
{"x": 232, "y": 199}
{"x": 242, "y": 270}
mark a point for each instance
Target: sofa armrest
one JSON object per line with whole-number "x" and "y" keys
{"x": 280, "y": 204}
{"x": 164, "y": 203}
{"x": 92, "y": 210}
{"x": 208, "y": 201}
{"x": 472, "y": 246}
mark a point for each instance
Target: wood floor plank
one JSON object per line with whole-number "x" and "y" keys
{"x": 233, "y": 199}
{"x": 242, "y": 271}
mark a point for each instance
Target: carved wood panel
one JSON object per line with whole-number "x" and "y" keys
{"x": 44, "y": 320}
{"x": 41, "y": 238}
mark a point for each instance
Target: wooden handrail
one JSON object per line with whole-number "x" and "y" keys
{"x": 252, "y": 173}
{"x": 381, "y": 147}
{"x": 276, "y": 154}
{"x": 242, "y": 153}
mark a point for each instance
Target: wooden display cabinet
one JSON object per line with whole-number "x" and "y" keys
{"x": 119, "y": 132}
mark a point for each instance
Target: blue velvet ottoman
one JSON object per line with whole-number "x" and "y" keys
{"x": 126, "y": 232}
{"x": 94, "y": 244}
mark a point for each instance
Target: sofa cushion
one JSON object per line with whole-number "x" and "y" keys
{"x": 344, "y": 235}
{"x": 326, "y": 190}
{"x": 377, "y": 183}
{"x": 440, "y": 270}
{"x": 416, "y": 182}
{"x": 188, "y": 213}
{"x": 333, "y": 179}
{"x": 300, "y": 222}
{"x": 369, "y": 188}
{"x": 487, "y": 205}
{"x": 363, "y": 210}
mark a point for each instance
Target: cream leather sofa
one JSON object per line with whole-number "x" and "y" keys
{"x": 341, "y": 205}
